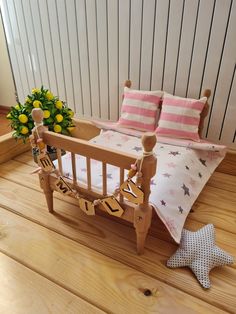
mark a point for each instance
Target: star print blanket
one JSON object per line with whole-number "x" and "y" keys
{"x": 182, "y": 171}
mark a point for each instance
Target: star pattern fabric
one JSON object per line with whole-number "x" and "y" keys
{"x": 178, "y": 181}
{"x": 199, "y": 252}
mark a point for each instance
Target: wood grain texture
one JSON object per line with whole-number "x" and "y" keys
{"x": 10, "y": 148}
{"x": 25, "y": 291}
{"x": 50, "y": 254}
{"x": 117, "y": 241}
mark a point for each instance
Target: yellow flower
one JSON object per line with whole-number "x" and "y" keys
{"x": 59, "y": 117}
{"x": 71, "y": 113}
{"x": 23, "y": 118}
{"x": 17, "y": 107}
{"x": 35, "y": 90}
{"x": 28, "y": 100}
{"x": 59, "y": 104}
{"x": 24, "y": 130}
{"x": 9, "y": 116}
{"x": 46, "y": 114}
{"x": 49, "y": 95}
{"x": 37, "y": 104}
{"x": 57, "y": 128}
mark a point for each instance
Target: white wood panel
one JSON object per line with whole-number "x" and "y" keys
{"x": 174, "y": 28}
{"x": 124, "y": 11}
{"x": 162, "y": 9}
{"x": 135, "y": 41}
{"x": 74, "y": 51}
{"x": 103, "y": 57}
{"x": 18, "y": 48}
{"x": 66, "y": 53}
{"x": 83, "y": 54}
{"x": 32, "y": 42}
{"x": 229, "y": 127}
{"x": 57, "y": 48}
{"x": 47, "y": 42}
{"x": 186, "y": 44}
{"x": 83, "y": 50}
{"x": 93, "y": 56}
{"x": 12, "y": 50}
{"x": 33, "y": 4}
{"x": 200, "y": 48}
{"x": 25, "y": 44}
{"x": 215, "y": 50}
{"x": 113, "y": 49}
{"x": 224, "y": 79}
{"x": 147, "y": 43}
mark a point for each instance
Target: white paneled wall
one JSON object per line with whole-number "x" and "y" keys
{"x": 83, "y": 50}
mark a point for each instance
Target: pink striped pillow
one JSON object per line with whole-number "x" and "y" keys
{"x": 139, "y": 109}
{"x": 180, "y": 117}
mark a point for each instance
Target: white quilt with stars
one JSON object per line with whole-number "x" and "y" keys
{"x": 183, "y": 168}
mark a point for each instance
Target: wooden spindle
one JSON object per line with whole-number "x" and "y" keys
{"x": 73, "y": 164}
{"x": 143, "y": 212}
{"x": 204, "y": 113}
{"x": 88, "y": 162}
{"x": 122, "y": 174}
{"x": 44, "y": 177}
{"x": 104, "y": 178}
{"x": 59, "y": 161}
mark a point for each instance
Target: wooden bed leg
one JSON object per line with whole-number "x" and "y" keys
{"x": 143, "y": 212}
{"x": 142, "y": 222}
{"x": 45, "y": 185}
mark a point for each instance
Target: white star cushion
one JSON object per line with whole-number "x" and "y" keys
{"x": 198, "y": 251}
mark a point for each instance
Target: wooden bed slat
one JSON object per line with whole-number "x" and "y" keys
{"x": 88, "y": 162}
{"x": 59, "y": 160}
{"x": 73, "y": 164}
{"x": 104, "y": 178}
{"x": 84, "y": 148}
{"x": 122, "y": 174}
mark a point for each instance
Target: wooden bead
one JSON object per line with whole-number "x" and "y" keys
{"x": 132, "y": 173}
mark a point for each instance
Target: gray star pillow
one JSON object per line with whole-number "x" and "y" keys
{"x": 198, "y": 251}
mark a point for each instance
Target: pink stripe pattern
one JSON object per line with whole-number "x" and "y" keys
{"x": 179, "y": 118}
{"x": 183, "y": 119}
{"x": 139, "y": 109}
{"x": 136, "y": 125}
{"x": 144, "y": 97}
{"x": 184, "y": 103}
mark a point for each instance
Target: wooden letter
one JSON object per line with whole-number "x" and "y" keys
{"x": 133, "y": 193}
{"x": 112, "y": 206}
{"x": 45, "y": 162}
{"x": 63, "y": 187}
{"x": 86, "y": 206}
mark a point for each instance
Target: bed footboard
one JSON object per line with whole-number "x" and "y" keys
{"x": 138, "y": 213}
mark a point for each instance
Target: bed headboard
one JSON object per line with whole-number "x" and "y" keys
{"x": 204, "y": 113}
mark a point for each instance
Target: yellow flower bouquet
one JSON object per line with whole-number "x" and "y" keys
{"x": 57, "y": 116}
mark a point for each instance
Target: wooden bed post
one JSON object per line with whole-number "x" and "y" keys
{"x": 204, "y": 113}
{"x": 37, "y": 132}
{"x": 143, "y": 212}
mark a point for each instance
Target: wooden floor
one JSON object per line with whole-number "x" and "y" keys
{"x": 72, "y": 263}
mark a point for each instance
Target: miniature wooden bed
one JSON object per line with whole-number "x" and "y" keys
{"x": 140, "y": 215}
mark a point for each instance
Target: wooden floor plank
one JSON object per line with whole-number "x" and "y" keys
{"x": 24, "y": 291}
{"x": 26, "y": 158}
{"x": 118, "y": 241}
{"x": 100, "y": 280}
{"x": 223, "y": 181}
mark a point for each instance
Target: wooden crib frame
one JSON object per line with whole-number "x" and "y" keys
{"x": 139, "y": 215}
